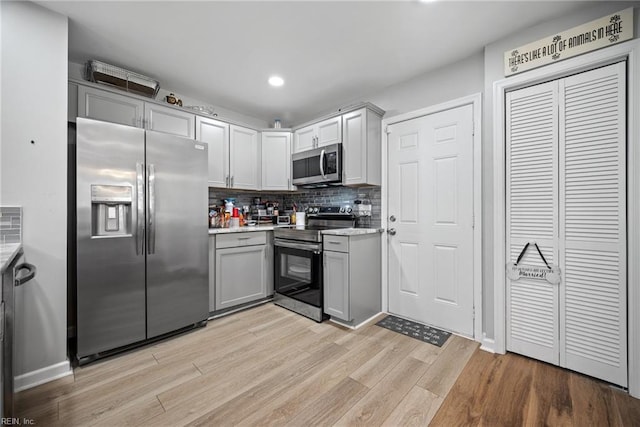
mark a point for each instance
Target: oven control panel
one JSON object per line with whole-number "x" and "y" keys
{"x": 329, "y": 210}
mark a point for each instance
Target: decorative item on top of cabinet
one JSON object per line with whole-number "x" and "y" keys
{"x": 173, "y": 100}
{"x": 319, "y": 134}
{"x": 362, "y": 147}
{"x": 276, "y": 160}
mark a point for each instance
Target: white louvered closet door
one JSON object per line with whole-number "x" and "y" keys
{"x": 532, "y": 216}
{"x": 593, "y": 317}
{"x": 566, "y": 191}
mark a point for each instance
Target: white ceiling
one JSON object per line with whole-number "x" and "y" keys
{"x": 329, "y": 53}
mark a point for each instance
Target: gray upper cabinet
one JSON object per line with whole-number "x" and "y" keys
{"x": 126, "y": 110}
{"x": 304, "y": 139}
{"x": 109, "y": 107}
{"x": 244, "y": 158}
{"x": 362, "y": 147}
{"x": 72, "y": 104}
{"x": 329, "y": 132}
{"x": 234, "y": 154}
{"x": 319, "y": 134}
{"x": 276, "y": 160}
{"x": 169, "y": 120}
{"x": 216, "y": 134}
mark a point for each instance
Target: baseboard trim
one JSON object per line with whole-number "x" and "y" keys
{"x": 488, "y": 344}
{"x": 41, "y": 376}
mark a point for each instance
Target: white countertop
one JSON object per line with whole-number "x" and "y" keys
{"x": 353, "y": 231}
{"x": 8, "y": 251}
{"x": 245, "y": 229}
{"x": 336, "y": 232}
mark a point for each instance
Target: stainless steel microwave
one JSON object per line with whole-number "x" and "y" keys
{"x": 319, "y": 167}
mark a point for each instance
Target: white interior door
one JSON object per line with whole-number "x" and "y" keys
{"x": 566, "y": 191}
{"x": 532, "y": 216}
{"x": 431, "y": 199}
{"x": 593, "y": 236}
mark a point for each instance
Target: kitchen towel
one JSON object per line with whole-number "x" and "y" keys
{"x": 415, "y": 330}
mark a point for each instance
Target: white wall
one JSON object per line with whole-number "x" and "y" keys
{"x": 76, "y": 71}
{"x": 474, "y": 74}
{"x": 453, "y": 81}
{"x": 494, "y": 71}
{"x": 34, "y": 108}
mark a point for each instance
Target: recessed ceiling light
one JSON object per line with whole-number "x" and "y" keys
{"x": 276, "y": 81}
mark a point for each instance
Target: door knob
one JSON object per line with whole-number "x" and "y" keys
{"x": 391, "y": 231}
{"x": 392, "y": 218}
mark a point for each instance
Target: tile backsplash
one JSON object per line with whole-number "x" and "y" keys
{"x": 332, "y": 196}
{"x": 10, "y": 224}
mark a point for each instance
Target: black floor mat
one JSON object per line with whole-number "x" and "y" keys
{"x": 415, "y": 330}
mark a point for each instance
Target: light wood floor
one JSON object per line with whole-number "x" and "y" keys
{"x": 268, "y": 366}
{"x": 264, "y": 366}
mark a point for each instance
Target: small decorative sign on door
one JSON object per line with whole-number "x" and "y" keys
{"x": 550, "y": 273}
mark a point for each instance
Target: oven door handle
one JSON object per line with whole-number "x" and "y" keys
{"x": 315, "y": 248}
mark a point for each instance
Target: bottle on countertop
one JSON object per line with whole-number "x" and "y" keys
{"x": 228, "y": 205}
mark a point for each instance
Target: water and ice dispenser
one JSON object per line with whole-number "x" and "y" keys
{"x": 111, "y": 211}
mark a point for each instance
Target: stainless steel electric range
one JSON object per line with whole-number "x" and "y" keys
{"x": 298, "y": 260}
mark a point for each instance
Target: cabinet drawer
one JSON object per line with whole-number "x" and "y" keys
{"x": 233, "y": 240}
{"x": 336, "y": 243}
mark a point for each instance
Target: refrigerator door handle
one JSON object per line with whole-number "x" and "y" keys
{"x": 139, "y": 209}
{"x": 151, "y": 230}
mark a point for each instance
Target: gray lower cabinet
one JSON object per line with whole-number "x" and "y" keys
{"x": 352, "y": 277}
{"x": 241, "y": 269}
{"x": 336, "y": 285}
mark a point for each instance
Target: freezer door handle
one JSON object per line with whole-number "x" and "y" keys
{"x": 139, "y": 209}
{"x": 151, "y": 230}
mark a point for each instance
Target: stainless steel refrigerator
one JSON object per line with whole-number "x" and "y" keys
{"x": 142, "y": 236}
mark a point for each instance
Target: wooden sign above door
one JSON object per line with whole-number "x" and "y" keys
{"x": 603, "y": 32}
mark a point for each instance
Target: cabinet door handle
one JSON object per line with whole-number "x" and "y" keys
{"x": 232, "y": 181}
{"x": 22, "y": 279}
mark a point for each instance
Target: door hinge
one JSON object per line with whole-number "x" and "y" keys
{"x": 387, "y": 131}
{"x": 473, "y": 221}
